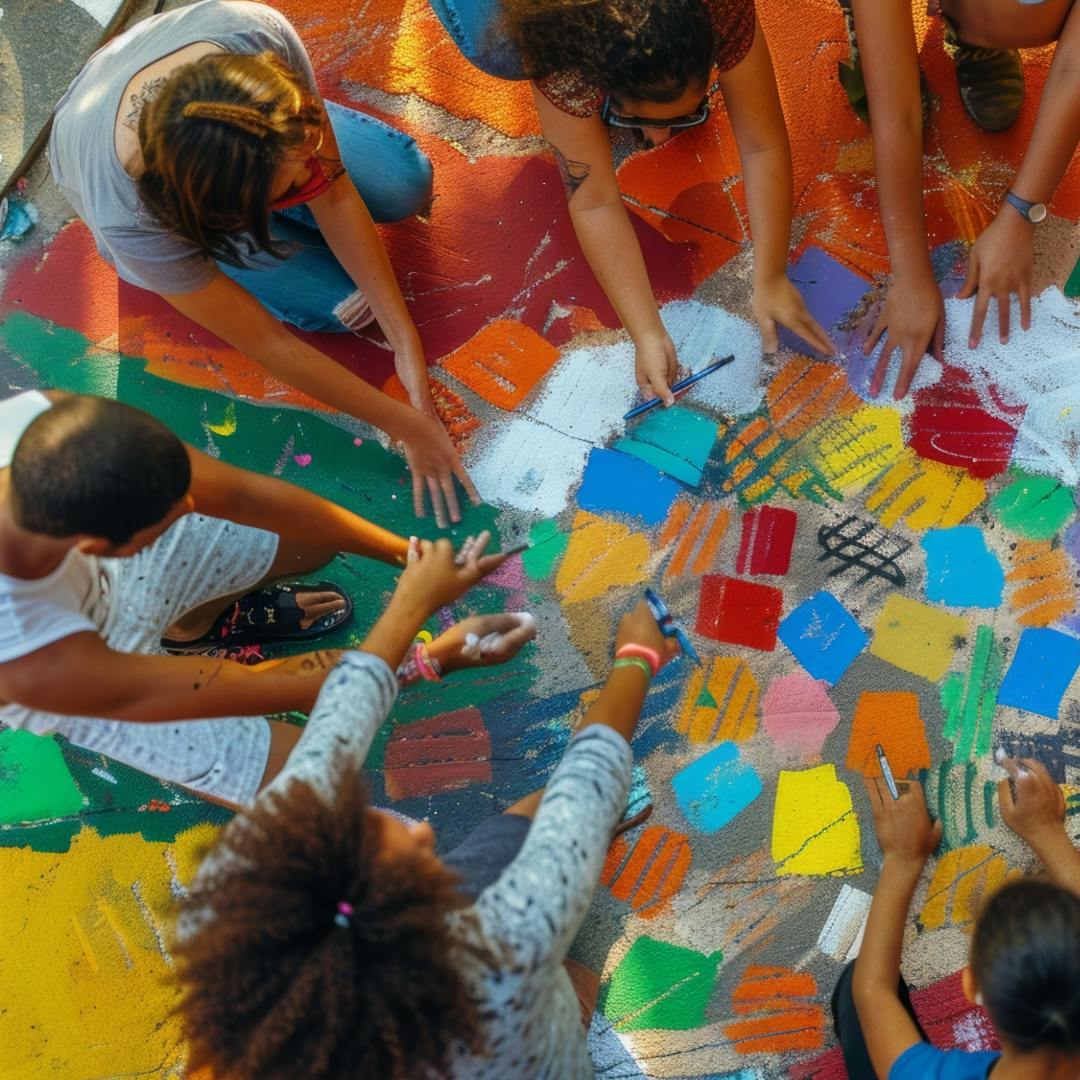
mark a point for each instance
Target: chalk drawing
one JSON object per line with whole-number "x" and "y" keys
{"x": 779, "y": 1010}
{"x": 677, "y": 441}
{"x": 815, "y": 830}
{"x": 620, "y": 484}
{"x": 647, "y": 874}
{"x": 923, "y": 494}
{"x": 969, "y": 703}
{"x": 599, "y": 555}
{"x": 798, "y": 714}
{"x": 805, "y": 392}
{"x": 891, "y": 720}
{"x": 862, "y": 548}
{"x": 841, "y": 936}
{"x": 739, "y": 612}
{"x": 445, "y": 753}
{"x": 715, "y": 788}
{"x": 768, "y": 533}
{"x": 34, "y": 780}
{"x": 1036, "y": 507}
{"x": 960, "y": 570}
{"x": 916, "y": 637}
{"x": 855, "y": 449}
{"x": 699, "y": 531}
{"x": 1042, "y": 583}
{"x": 961, "y": 881}
{"x": 658, "y": 985}
{"x": 1041, "y": 669}
{"x": 823, "y": 636}
{"x": 721, "y": 702}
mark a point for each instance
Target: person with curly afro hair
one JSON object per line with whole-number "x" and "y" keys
{"x": 325, "y": 938}
{"x": 654, "y": 67}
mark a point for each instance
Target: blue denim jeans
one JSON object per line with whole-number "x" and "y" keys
{"x": 474, "y": 26}
{"x": 393, "y": 177}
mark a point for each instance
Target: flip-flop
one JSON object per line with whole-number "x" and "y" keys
{"x": 266, "y": 617}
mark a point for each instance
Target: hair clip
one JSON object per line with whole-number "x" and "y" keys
{"x": 344, "y": 913}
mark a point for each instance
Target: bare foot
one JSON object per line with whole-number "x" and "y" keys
{"x": 482, "y": 640}
{"x": 314, "y": 605}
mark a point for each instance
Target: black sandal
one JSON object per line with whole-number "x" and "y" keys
{"x": 266, "y": 617}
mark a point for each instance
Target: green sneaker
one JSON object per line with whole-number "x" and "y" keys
{"x": 853, "y": 83}
{"x": 991, "y": 81}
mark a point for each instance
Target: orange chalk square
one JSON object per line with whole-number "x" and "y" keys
{"x": 892, "y": 721}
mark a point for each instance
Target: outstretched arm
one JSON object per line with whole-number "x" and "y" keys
{"x": 757, "y": 120}
{"x": 913, "y": 317}
{"x": 907, "y": 839}
{"x": 582, "y": 150}
{"x": 1002, "y": 260}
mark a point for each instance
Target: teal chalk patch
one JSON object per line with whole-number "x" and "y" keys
{"x": 960, "y": 570}
{"x": 677, "y": 441}
{"x": 547, "y": 544}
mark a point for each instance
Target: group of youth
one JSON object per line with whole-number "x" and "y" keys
{"x": 139, "y": 578}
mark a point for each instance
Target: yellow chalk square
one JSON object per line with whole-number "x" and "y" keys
{"x": 815, "y": 830}
{"x": 917, "y": 638}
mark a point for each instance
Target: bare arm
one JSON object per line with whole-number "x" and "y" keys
{"x": 265, "y": 502}
{"x": 757, "y": 120}
{"x": 582, "y": 150}
{"x": 913, "y": 315}
{"x": 907, "y": 839}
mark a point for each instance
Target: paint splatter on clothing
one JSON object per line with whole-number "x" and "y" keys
{"x": 734, "y": 24}
{"x": 531, "y": 913}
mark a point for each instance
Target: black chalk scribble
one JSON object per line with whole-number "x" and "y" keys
{"x": 857, "y": 545}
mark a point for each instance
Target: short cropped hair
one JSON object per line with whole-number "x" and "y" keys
{"x": 270, "y": 977}
{"x": 94, "y": 467}
{"x": 1025, "y": 956}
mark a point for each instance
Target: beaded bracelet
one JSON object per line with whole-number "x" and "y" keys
{"x": 642, "y": 652}
{"x": 412, "y": 669}
{"x": 634, "y": 661}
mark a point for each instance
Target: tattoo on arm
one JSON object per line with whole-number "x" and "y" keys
{"x": 573, "y": 173}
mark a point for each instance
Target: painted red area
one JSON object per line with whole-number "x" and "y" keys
{"x": 444, "y": 753}
{"x": 950, "y": 425}
{"x": 950, "y": 1020}
{"x": 739, "y": 612}
{"x": 647, "y": 875}
{"x": 768, "y": 533}
{"x": 827, "y": 1066}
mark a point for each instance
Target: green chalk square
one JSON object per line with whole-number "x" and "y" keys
{"x": 34, "y": 780}
{"x": 677, "y": 441}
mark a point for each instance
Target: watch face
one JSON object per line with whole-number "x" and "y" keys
{"x": 1036, "y": 212}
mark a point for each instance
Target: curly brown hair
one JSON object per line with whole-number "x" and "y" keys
{"x": 211, "y": 143}
{"x": 641, "y": 50}
{"x": 268, "y": 978}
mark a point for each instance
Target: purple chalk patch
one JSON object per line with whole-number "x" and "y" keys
{"x": 829, "y": 289}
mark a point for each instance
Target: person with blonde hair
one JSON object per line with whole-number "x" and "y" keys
{"x": 196, "y": 148}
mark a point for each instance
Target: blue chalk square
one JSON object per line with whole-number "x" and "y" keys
{"x": 715, "y": 788}
{"x": 1042, "y": 667}
{"x": 960, "y": 570}
{"x": 823, "y": 636}
{"x": 617, "y": 483}
{"x": 829, "y": 289}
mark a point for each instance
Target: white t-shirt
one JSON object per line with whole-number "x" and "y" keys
{"x": 68, "y": 601}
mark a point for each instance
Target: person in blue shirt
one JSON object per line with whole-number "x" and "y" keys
{"x": 1024, "y": 967}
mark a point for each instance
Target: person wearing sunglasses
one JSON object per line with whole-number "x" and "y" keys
{"x": 655, "y": 66}
{"x": 197, "y": 150}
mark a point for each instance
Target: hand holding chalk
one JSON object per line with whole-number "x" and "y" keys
{"x": 905, "y": 831}
{"x": 682, "y": 384}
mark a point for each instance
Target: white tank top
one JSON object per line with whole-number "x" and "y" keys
{"x": 35, "y": 613}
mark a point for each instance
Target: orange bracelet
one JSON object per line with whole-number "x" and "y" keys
{"x": 641, "y": 652}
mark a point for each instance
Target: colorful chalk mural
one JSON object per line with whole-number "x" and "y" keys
{"x": 854, "y": 571}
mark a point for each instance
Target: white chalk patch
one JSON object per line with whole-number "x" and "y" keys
{"x": 101, "y": 11}
{"x": 1039, "y": 368}
{"x": 703, "y": 333}
{"x": 841, "y": 936}
{"x": 927, "y": 374}
{"x": 609, "y": 1051}
{"x": 103, "y": 775}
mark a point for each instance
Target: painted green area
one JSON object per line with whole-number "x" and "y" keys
{"x": 111, "y": 798}
{"x": 706, "y": 700}
{"x": 548, "y": 543}
{"x": 1036, "y": 507}
{"x": 34, "y": 781}
{"x": 969, "y": 703}
{"x": 1072, "y": 286}
{"x": 658, "y": 985}
{"x": 951, "y": 788}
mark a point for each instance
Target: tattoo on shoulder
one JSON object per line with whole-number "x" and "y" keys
{"x": 573, "y": 173}
{"x": 143, "y": 96}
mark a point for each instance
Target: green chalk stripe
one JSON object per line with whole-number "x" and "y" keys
{"x": 969, "y": 704}
{"x": 1072, "y": 286}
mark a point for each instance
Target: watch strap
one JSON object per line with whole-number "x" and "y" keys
{"x": 1022, "y": 206}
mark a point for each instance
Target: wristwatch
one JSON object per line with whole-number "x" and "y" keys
{"x": 1030, "y": 211}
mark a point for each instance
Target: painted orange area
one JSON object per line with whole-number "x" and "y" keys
{"x": 721, "y": 704}
{"x": 699, "y": 542}
{"x": 962, "y": 880}
{"x": 761, "y": 463}
{"x": 1043, "y": 583}
{"x": 916, "y": 637}
{"x": 805, "y": 392}
{"x": 457, "y": 418}
{"x": 601, "y": 554}
{"x": 924, "y": 494}
{"x": 649, "y": 874}
{"x": 502, "y": 363}
{"x": 892, "y": 721}
{"x": 780, "y": 1012}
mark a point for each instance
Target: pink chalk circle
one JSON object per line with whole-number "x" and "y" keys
{"x": 798, "y": 713}
{"x": 303, "y": 460}
{"x": 358, "y": 442}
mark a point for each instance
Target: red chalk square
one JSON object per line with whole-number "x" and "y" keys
{"x": 739, "y": 612}
{"x": 768, "y": 533}
{"x": 443, "y": 753}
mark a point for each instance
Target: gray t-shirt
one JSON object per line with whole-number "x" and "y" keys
{"x": 82, "y": 149}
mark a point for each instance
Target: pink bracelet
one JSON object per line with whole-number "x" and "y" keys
{"x": 642, "y": 652}
{"x": 430, "y": 670}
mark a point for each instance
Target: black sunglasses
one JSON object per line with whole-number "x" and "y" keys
{"x": 613, "y": 118}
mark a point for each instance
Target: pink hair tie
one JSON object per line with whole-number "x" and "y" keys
{"x": 641, "y": 652}
{"x": 344, "y": 913}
